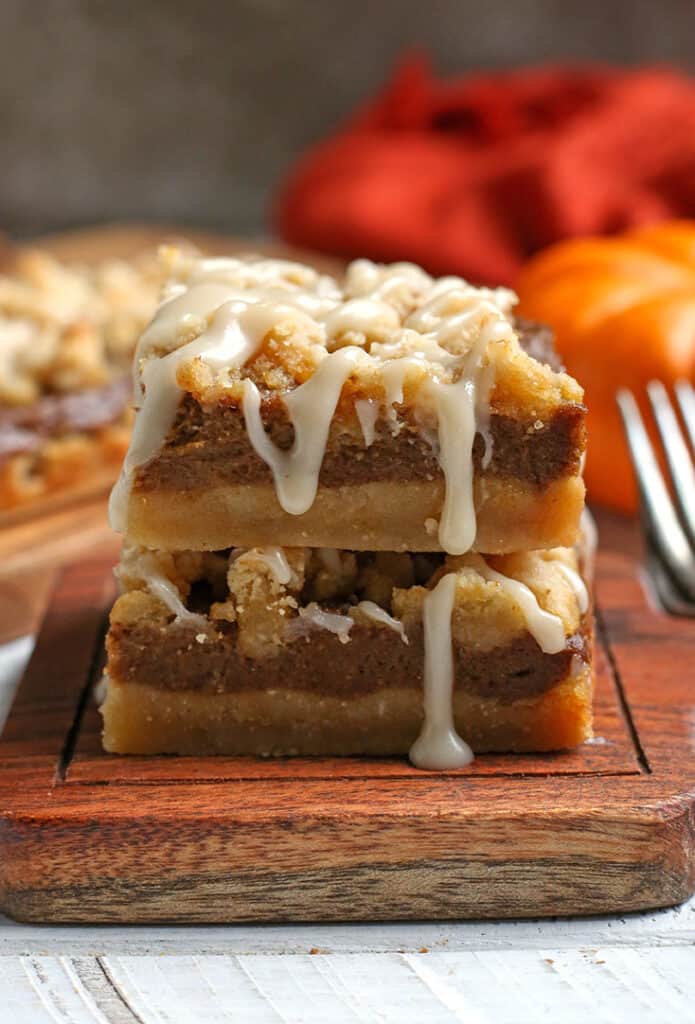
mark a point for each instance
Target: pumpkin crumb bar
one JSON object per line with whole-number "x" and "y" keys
{"x": 273, "y": 651}
{"x": 388, "y": 411}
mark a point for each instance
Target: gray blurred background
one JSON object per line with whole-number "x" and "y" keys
{"x": 191, "y": 111}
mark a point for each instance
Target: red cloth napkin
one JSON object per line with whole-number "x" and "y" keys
{"x": 473, "y": 174}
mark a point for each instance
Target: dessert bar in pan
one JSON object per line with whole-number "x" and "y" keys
{"x": 301, "y": 651}
{"x": 389, "y": 412}
{"x": 67, "y": 336}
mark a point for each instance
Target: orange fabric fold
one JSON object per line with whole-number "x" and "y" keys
{"x": 473, "y": 174}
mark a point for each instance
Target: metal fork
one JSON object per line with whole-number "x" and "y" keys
{"x": 669, "y": 527}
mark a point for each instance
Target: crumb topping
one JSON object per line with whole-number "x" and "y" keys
{"x": 391, "y": 313}
{"x": 276, "y": 596}
{"x": 65, "y": 328}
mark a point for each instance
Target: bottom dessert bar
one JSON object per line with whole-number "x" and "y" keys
{"x": 273, "y": 651}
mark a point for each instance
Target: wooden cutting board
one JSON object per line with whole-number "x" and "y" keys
{"x": 610, "y": 827}
{"x": 37, "y": 539}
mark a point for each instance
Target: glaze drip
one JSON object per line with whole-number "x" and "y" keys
{"x": 547, "y": 629}
{"x": 367, "y": 413}
{"x": 276, "y": 560}
{"x": 314, "y": 617}
{"x": 439, "y": 746}
{"x": 378, "y": 614}
{"x": 143, "y": 565}
{"x": 578, "y": 586}
{"x": 311, "y": 408}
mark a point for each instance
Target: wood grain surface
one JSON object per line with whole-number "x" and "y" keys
{"x": 85, "y": 836}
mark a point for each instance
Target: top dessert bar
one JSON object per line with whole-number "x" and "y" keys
{"x": 389, "y": 411}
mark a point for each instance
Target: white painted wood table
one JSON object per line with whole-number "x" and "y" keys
{"x": 639, "y": 968}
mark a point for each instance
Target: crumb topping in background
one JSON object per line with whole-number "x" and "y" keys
{"x": 65, "y": 328}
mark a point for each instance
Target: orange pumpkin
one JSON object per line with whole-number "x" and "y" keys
{"x": 623, "y": 310}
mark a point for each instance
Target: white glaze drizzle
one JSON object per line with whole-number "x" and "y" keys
{"x": 378, "y": 614}
{"x": 233, "y": 335}
{"x": 439, "y": 746}
{"x": 164, "y": 590}
{"x": 393, "y": 374}
{"x": 230, "y": 302}
{"x": 314, "y": 617}
{"x": 457, "y": 413}
{"x": 578, "y": 586}
{"x": 367, "y": 410}
{"x": 485, "y": 381}
{"x": 361, "y": 316}
{"x": 168, "y": 594}
{"x": 455, "y": 405}
{"x": 547, "y": 629}
{"x": 311, "y": 407}
{"x": 437, "y": 332}
{"x": 274, "y": 558}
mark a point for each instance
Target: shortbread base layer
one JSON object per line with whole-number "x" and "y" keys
{"x": 381, "y": 516}
{"x": 143, "y": 719}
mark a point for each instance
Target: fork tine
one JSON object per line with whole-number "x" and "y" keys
{"x": 660, "y": 516}
{"x": 677, "y": 455}
{"x": 664, "y": 589}
{"x": 686, "y": 403}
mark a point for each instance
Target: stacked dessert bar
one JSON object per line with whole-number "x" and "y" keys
{"x": 351, "y": 513}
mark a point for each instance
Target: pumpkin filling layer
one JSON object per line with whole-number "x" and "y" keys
{"x": 209, "y": 449}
